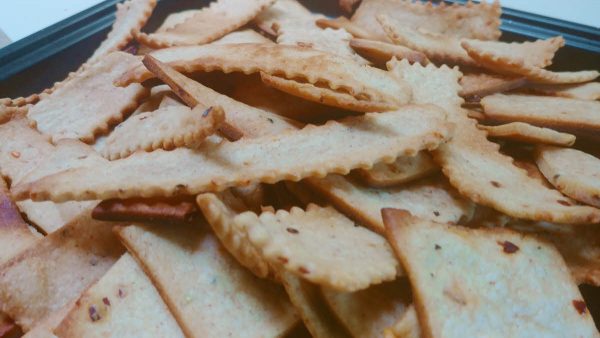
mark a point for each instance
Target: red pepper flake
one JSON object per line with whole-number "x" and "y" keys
{"x": 495, "y": 184}
{"x": 106, "y": 301}
{"x": 509, "y": 247}
{"x": 292, "y": 231}
{"x": 94, "y": 315}
{"x": 303, "y": 270}
{"x": 579, "y": 305}
{"x": 121, "y": 293}
{"x": 15, "y": 154}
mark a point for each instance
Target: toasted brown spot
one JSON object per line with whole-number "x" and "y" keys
{"x": 495, "y": 184}
{"x": 283, "y": 260}
{"x": 106, "y": 301}
{"x": 15, "y": 154}
{"x": 121, "y": 293}
{"x": 509, "y": 247}
{"x": 579, "y": 305}
{"x": 437, "y": 213}
{"x": 303, "y": 270}
{"x": 292, "y": 231}
{"x": 93, "y": 312}
{"x": 565, "y": 203}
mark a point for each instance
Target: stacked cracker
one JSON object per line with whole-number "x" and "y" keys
{"x": 225, "y": 182}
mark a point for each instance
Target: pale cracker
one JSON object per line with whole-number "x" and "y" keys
{"x": 212, "y": 22}
{"x": 291, "y": 62}
{"x": 176, "y": 18}
{"x": 583, "y": 91}
{"x": 569, "y": 115}
{"x": 432, "y": 199}
{"x": 220, "y": 212}
{"x": 208, "y": 292}
{"x": 473, "y": 164}
{"x": 123, "y": 303}
{"x": 322, "y": 246}
{"x": 573, "y": 172}
{"x": 403, "y": 170}
{"x": 89, "y": 103}
{"x": 486, "y": 278}
{"x": 524, "y": 132}
{"x": 325, "y": 96}
{"x": 243, "y": 36}
{"x": 281, "y": 10}
{"x": 349, "y": 26}
{"x": 381, "y": 52}
{"x": 477, "y": 85}
{"x": 167, "y": 128}
{"x": 355, "y": 142}
{"x": 53, "y": 273}
{"x": 131, "y": 16}
{"x": 406, "y": 327}
{"x": 311, "y": 307}
{"x": 368, "y": 312}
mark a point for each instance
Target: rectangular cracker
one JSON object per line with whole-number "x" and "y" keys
{"x": 47, "y": 277}
{"x": 152, "y": 210}
{"x": 206, "y": 25}
{"x": 368, "y": 312}
{"x": 381, "y": 52}
{"x": 123, "y": 303}
{"x": 405, "y": 169}
{"x": 208, "y": 292}
{"x": 355, "y": 142}
{"x": 524, "y": 132}
{"x": 570, "y": 115}
{"x": 89, "y": 104}
{"x": 486, "y": 278}
{"x": 474, "y": 165}
{"x": 431, "y": 199}
{"x": 291, "y": 62}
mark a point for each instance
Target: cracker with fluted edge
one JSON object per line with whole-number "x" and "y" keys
{"x": 121, "y": 303}
{"x": 291, "y": 62}
{"x": 147, "y": 210}
{"x": 403, "y": 170}
{"x": 322, "y": 246}
{"x": 407, "y": 325}
{"x": 477, "y": 85}
{"x": 354, "y": 142}
{"x": 366, "y": 313}
{"x": 475, "y": 167}
{"x": 204, "y": 287}
{"x": 583, "y": 91}
{"x": 524, "y": 132}
{"x": 131, "y": 16}
{"x": 569, "y": 115}
{"x": 485, "y": 278}
{"x": 381, "y": 52}
{"x": 573, "y": 172}
{"x": 220, "y": 212}
{"x": 89, "y": 104}
{"x": 210, "y": 23}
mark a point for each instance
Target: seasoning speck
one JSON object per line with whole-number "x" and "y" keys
{"x": 437, "y": 247}
{"x": 509, "y": 247}
{"x": 579, "y": 305}
{"x": 106, "y": 301}
{"x": 93, "y": 312}
{"x": 121, "y": 293}
{"x": 292, "y": 231}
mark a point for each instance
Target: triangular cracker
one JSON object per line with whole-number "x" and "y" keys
{"x": 367, "y": 139}
{"x": 381, "y": 52}
{"x": 211, "y": 23}
{"x": 573, "y": 172}
{"x": 122, "y": 303}
{"x": 207, "y": 291}
{"x": 322, "y": 246}
{"x": 524, "y": 132}
{"x": 403, "y": 170}
{"x": 486, "y": 278}
{"x": 473, "y": 164}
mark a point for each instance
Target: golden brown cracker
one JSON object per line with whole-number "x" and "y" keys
{"x": 523, "y": 132}
{"x": 349, "y": 26}
{"x": 279, "y": 11}
{"x": 404, "y": 169}
{"x": 150, "y": 210}
{"x": 381, "y": 52}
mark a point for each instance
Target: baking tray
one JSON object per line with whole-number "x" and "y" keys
{"x": 32, "y": 64}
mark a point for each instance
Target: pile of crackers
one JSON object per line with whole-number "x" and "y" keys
{"x": 254, "y": 169}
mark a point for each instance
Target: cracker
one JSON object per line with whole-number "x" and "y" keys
{"x": 368, "y": 312}
{"x": 212, "y": 22}
{"x": 243, "y": 36}
{"x": 325, "y": 96}
{"x": 473, "y": 164}
{"x": 517, "y": 59}
{"x": 291, "y": 62}
{"x": 122, "y": 303}
{"x": 471, "y": 20}
{"x": 204, "y": 287}
{"x": 406, "y": 327}
{"x": 167, "y": 128}
{"x": 254, "y": 122}
{"x": 438, "y": 48}
{"x": 367, "y": 139}
{"x": 381, "y": 52}
{"x": 89, "y": 103}
{"x": 477, "y": 85}
{"x": 484, "y": 278}
{"x": 322, "y": 246}
{"x": 281, "y": 10}
{"x": 524, "y": 132}
{"x": 220, "y": 212}
{"x": 53, "y": 273}
{"x": 432, "y": 199}
{"x": 151, "y": 210}
{"x": 349, "y": 26}
{"x": 403, "y": 170}
{"x": 569, "y": 115}
{"x": 311, "y": 307}
{"x": 573, "y": 172}
{"x": 131, "y": 17}
{"x": 584, "y": 91}
{"x": 14, "y": 232}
